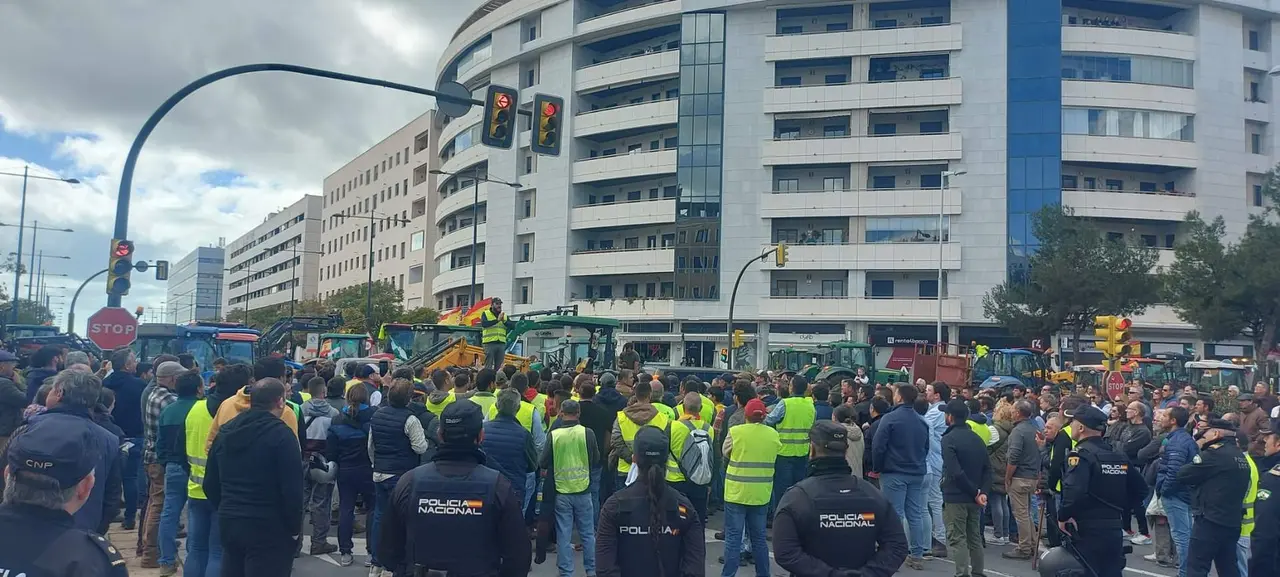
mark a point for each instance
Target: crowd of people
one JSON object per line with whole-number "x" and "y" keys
{"x": 457, "y": 470}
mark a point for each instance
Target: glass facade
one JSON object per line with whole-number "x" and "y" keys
{"x": 1124, "y": 68}
{"x": 1131, "y": 123}
{"x": 906, "y": 229}
{"x": 1034, "y": 117}
{"x": 698, "y": 165}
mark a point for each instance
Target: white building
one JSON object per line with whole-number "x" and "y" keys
{"x": 699, "y": 133}
{"x": 276, "y": 262}
{"x": 194, "y": 290}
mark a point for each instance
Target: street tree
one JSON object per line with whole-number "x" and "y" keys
{"x": 1075, "y": 274}
{"x": 420, "y": 315}
{"x": 351, "y": 301}
{"x": 30, "y": 312}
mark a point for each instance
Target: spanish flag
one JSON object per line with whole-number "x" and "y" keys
{"x": 451, "y": 317}
{"x": 472, "y": 319}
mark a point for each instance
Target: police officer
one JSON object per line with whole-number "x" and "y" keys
{"x": 1097, "y": 488}
{"x": 454, "y": 515}
{"x": 649, "y": 528}
{"x": 1265, "y": 542}
{"x": 833, "y": 523}
{"x": 1219, "y": 476}
{"x": 49, "y": 477}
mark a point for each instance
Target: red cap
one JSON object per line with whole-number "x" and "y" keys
{"x": 755, "y": 410}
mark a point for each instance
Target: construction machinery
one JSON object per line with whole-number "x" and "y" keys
{"x": 842, "y": 360}
{"x": 280, "y": 332}
{"x": 1210, "y": 376}
{"x": 406, "y": 340}
{"x": 343, "y": 345}
{"x": 1159, "y": 369}
{"x": 204, "y": 340}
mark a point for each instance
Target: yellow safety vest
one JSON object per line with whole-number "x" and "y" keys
{"x": 749, "y": 477}
{"x": 197, "y": 426}
{"x": 496, "y": 333}
{"x": 540, "y": 401}
{"x": 305, "y": 396}
{"x": 1246, "y": 524}
{"x": 666, "y": 411}
{"x": 486, "y": 401}
{"x": 1067, "y": 430}
{"x": 983, "y": 432}
{"x": 708, "y": 409}
{"x": 793, "y": 430}
{"x": 570, "y": 459}
{"x": 680, "y": 432}
{"x": 439, "y": 408}
{"x": 628, "y": 428}
{"x": 524, "y": 415}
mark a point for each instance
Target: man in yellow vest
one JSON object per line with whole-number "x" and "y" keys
{"x": 483, "y": 394}
{"x": 568, "y": 459}
{"x": 792, "y": 417}
{"x": 1249, "y": 518}
{"x": 494, "y": 325}
{"x": 204, "y": 543}
{"x": 690, "y": 420}
{"x": 640, "y": 413}
{"x": 752, "y": 449}
{"x": 443, "y": 396}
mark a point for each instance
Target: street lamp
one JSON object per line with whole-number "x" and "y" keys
{"x": 373, "y": 231}
{"x": 33, "y": 271}
{"x": 293, "y": 268}
{"x": 942, "y": 209}
{"x": 22, "y": 218}
{"x": 475, "y": 220}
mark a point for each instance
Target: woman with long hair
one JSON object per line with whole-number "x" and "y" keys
{"x": 649, "y": 529}
{"x": 348, "y": 446}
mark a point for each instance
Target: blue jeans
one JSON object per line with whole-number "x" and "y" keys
{"x": 933, "y": 498}
{"x": 352, "y": 484}
{"x": 906, "y": 494}
{"x": 204, "y": 542}
{"x": 752, "y": 518}
{"x": 787, "y": 471}
{"x": 1242, "y": 555}
{"x": 382, "y": 499}
{"x": 575, "y": 511}
{"x": 175, "y": 498}
{"x": 1179, "y": 514}
{"x": 595, "y": 493}
{"x": 129, "y": 475}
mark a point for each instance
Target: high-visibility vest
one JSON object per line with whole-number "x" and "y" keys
{"x": 486, "y": 401}
{"x": 496, "y": 333}
{"x": 793, "y": 431}
{"x": 666, "y": 411}
{"x": 1246, "y": 523}
{"x": 679, "y": 433}
{"x": 749, "y": 477}
{"x": 570, "y": 460}
{"x": 439, "y": 408}
{"x": 305, "y": 396}
{"x": 708, "y": 413}
{"x": 197, "y": 426}
{"x": 982, "y": 430}
{"x": 524, "y": 415}
{"x": 629, "y": 428}
{"x": 540, "y": 401}
{"x": 1067, "y": 430}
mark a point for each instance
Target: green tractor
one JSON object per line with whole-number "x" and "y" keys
{"x": 842, "y": 360}
{"x": 791, "y": 360}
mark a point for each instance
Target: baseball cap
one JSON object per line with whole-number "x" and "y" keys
{"x": 829, "y": 435}
{"x": 1091, "y": 417}
{"x": 169, "y": 369}
{"x": 366, "y": 371}
{"x": 755, "y": 409}
{"x": 52, "y": 448}
{"x": 460, "y": 422}
{"x": 1244, "y": 397}
{"x": 7, "y": 357}
{"x": 608, "y": 380}
{"x": 650, "y": 446}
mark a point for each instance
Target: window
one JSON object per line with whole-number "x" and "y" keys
{"x": 1257, "y": 195}
{"x": 631, "y": 243}
{"x": 837, "y": 26}
{"x": 415, "y": 274}
{"x": 789, "y": 81}
{"x": 881, "y": 289}
{"x": 933, "y": 127}
{"x": 906, "y": 229}
{"x": 885, "y": 23}
{"x": 606, "y": 291}
{"x": 1255, "y": 42}
{"x": 1131, "y": 123}
{"x": 524, "y": 294}
{"x": 929, "y": 288}
{"x": 670, "y": 142}
{"x": 1115, "y": 236}
{"x": 650, "y": 290}
{"x": 788, "y": 185}
{"x": 416, "y": 240}
{"x": 1149, "y": 240}
{"x": 1147, "y": 187}
{"x": 528, "y": 208}
{"x": 1255, "y": 143}
{"x": 1069, "y": 182}
{"x": 526, "y": 252}
{"x": 1115, "y": 184}
{"x": 631, "y": 291}
{"x": 1152, "y": 70}
{"x": 884, "y": 182}
{"x": 833, "y": 288}
{"x": 784, "y": 288}
{"x": 835, "y": 131}
{"x": 790, "y": 30}
{"x": 930, "y": 181}
{"x": 833, "y": 183}
{"x": 884, "y": 129}
{"x": 836, "y": 78}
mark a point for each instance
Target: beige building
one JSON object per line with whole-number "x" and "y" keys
{"x": 276, "y": 261}
{"x": 375, "y": 216}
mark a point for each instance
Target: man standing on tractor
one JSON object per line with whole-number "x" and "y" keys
{"x": 494, "y": 336}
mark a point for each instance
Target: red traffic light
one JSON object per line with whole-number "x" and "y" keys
{"x": 1124, "y": 324}
{"x": 123, "y": 249}
{"x": 502, "y": 100}
{"x": 549, "y": 109}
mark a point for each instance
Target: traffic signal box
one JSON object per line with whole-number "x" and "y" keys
{"x": 738, "y": 339}
{"x": 548, "y": 111}
{"x": 119, "y": 266}
{"x": 780, "y": 257}
{"x": 1112, "y": 338}
{"x": 499, "y": 116}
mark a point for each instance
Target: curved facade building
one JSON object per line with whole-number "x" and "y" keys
{"x": 885, "y": 141}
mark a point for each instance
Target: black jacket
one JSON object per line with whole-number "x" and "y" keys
{"x": 621, "y": 552}
{"x": 1266, "y": 533}
{"x": 41, "y": 542}
{"x": 1219, "y": 479}
{"x": 255, "y": 471}
{"x": 966, "y": 468}
{"x": 1132, "y": 440}
{"x": 599, "y": 419}
{"x": 12, "y": 401}
{"x": 348, "y": 441}
{"x": 1057, "y": 460}
{"x": 860, "y": 530}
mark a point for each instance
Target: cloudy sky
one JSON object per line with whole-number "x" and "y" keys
{"x": 81, "y": 76}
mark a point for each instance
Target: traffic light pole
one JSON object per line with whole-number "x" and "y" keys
{"x": 71, "y": 312}
{"x": 733, "y": 298}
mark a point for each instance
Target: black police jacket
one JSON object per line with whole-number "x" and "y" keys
{"x": 1219, "y": 479}
{"x": 833, "y": 520}
{"x": 41, "y": 542}
{"x": 1265, "y": 544}
{"x": 1099, "y": 485}
{"x": 625, "y": 542}
{"x": 457, "y": 515}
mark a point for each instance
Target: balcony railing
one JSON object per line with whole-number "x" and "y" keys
{"x": 1132, "y": 191}
{"x": 625, "y": 104}
{"x": 618, "y": 202}
{"x": 777, "y": 86}
{"x": 627, "y": 153}
{"x": 868, "y": 28}
{"x": 611, "y": 250}
{"x": 647, "y": 52}
{"x": 847, "y": 135}
{"x": 623, "y": 9}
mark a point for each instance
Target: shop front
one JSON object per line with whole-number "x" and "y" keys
{"x": 896, "y": 344}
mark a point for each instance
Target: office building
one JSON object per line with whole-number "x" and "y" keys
{"x": 194, "y": 290}
{"x": 276, "y": 262}
{"x": 699, "y": 134}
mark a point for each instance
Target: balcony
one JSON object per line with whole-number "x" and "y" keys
{"x": 625, "y": 165}
{"x": 859, "y": 95}
{"x": 617, "y": 262}
{"x": 1127, "y": 95}
{"x": 618, "y": 19}
{"x": 1129, "y": 150}
{"x": 1165, "y": 257}
{"x": 1137, "y": 41}
{"x": 627, "y": 70}
{"x": 891, "y": 256}
{"x": 863, "y": 309}
{"x": 1130, "y": 204}
{"x": 637, "y": 213}
{"x": 626, "y": 308}
{"x": 1257, "y": 111}
{"x": 850, "y": 149}
{"x": 457, "y": 239}
{"x": 466, "y": 158}
{"x": 871, "y": 42}
{"x": 460, "y": 200}
{"x": 626, "y": 117}
{"x": 458, "y": 125}
{"x": 881, "y": 202}
{"x": 456, "y": 278}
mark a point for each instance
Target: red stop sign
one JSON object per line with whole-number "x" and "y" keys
{"x": 112, "y": 327}
{"x": 1115, "y": 384}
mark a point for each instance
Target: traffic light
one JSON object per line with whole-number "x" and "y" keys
{"x": 499, "y": 116}
{"x": 548, "y": 111}
{"x": 780, "y": 257}
{"x": 1112, "y": 333}
{"x": 724, "y": 356}
{"x": 162, "y": 270}
{"x": 119, "y": 266}
{"x": 737, "y": 338}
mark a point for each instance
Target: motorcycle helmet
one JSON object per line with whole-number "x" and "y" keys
{"x": 322, "y": 471}
{"x": 1060, "y": 562}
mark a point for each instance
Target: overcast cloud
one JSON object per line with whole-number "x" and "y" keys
{"x": 79, "y": 77}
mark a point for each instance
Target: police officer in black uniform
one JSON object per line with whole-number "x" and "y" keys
{"x": 1097, "y": 488}
{"x": 455, "y": 516}
{"x": 49, "y": 477}
{"x": 1265, "y": 543}
{"x": 1219, "y": 478}
{"x": 833, "y": 523}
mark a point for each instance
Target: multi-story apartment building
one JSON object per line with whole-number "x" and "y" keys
{"x": 375, "y": 216}
{"x": 194, "y": 290}
{"x": 885, "y": 140}
{"x": 276, "y": 262}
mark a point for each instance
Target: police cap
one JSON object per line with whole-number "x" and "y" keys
{"x": 829, "y": 435}
{"x": 63, "y": 453}
{"x": 1091, "y": 417}
{"x": 461, "y": 422}
{"x": 651, "y": 446}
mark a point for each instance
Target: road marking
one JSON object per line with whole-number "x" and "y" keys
{"x": 356, "y": 542}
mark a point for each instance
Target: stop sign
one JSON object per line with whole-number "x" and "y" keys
{"x": 1115, "y": 384}
{"x": 112, "y": 327}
